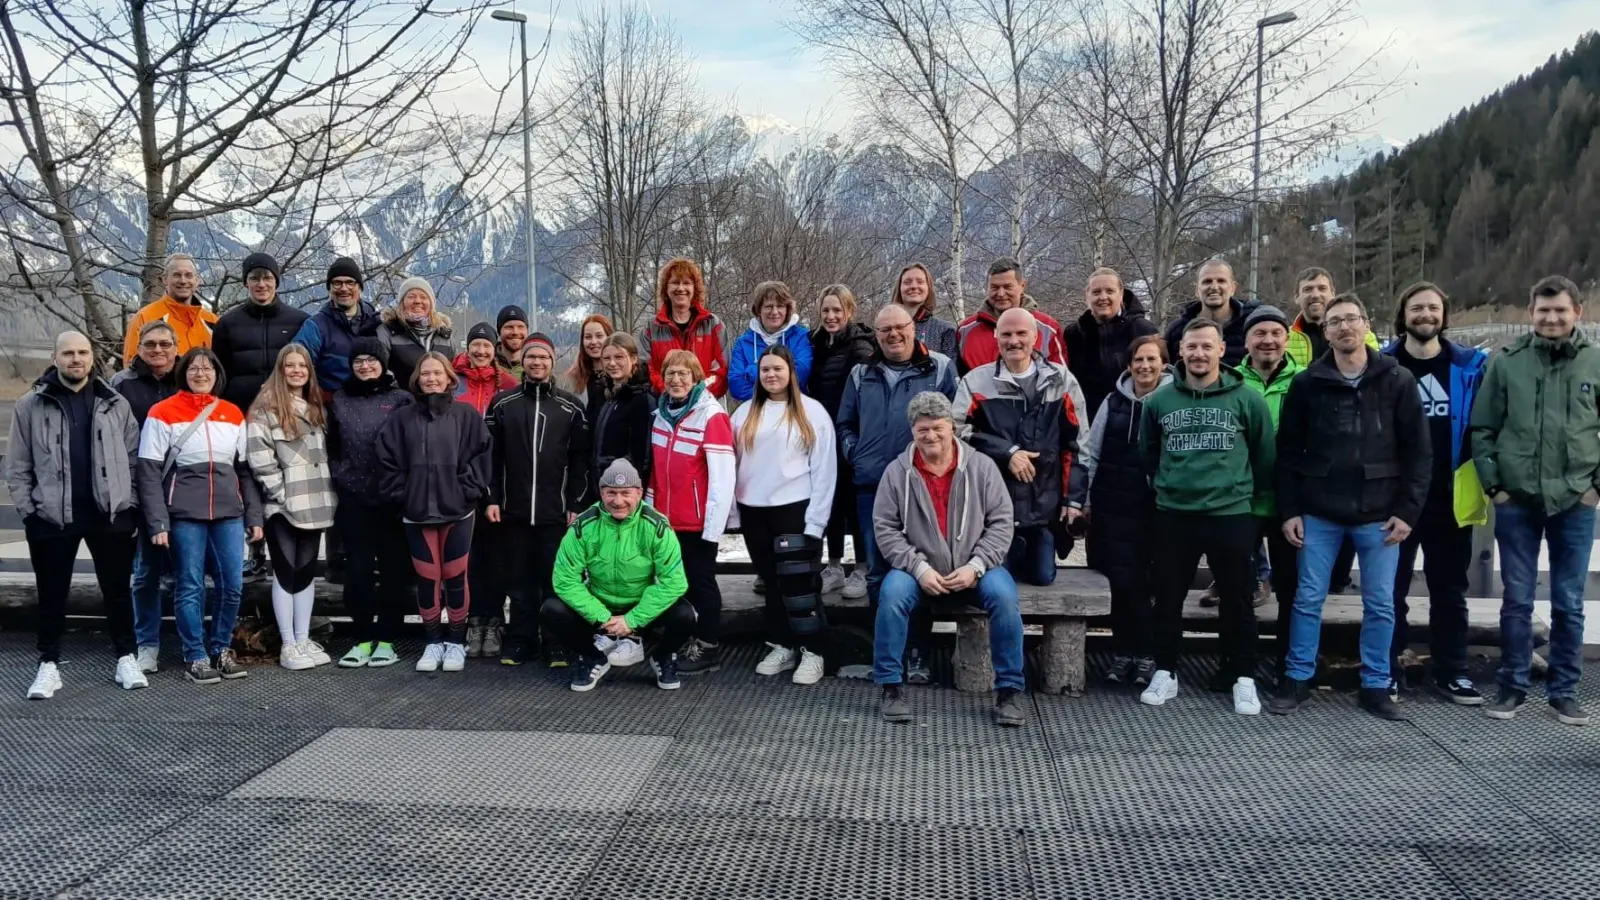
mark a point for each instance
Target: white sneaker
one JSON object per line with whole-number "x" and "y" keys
{"x": 604, "y": 643}
{"x": 432, "y": 655}
{"x": 855, "y": 585}
{"x": 46, "y": 683}
{"x": 779, "y": 659}
{"x": 1245, "y": 701}
{"x": 148, "y": 659}
{"x": 128, "y": 674}
{"x": 313, "y": 651}
{"x": 810, "y": 670}
{"x": 628, "y": 651}
{"x": 293, "y": 658}
{"x": 455, "y": 657}
{"x": 1162, "y": 688}
{"x": 832, "y": 579}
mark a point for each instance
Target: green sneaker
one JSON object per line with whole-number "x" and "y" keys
{"x": 383, "y": 655}
{"x": 359, "y": 655}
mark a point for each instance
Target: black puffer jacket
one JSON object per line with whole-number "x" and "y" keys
{"x": 832, "y": 358}
{"x": 1353, "y": 454}
{"x": 433, "y": 460}
{"x": 1109, "y": 477}
{"x": 1097, "y": 352}
{"x": 621, "y": 425}
{"x": 247, "y": 339}
{"x": 142, "y": 389}
{"x": 1232, "y": 333}
{"x": 355, "y": 417}
{"x": 541, "y": 454}
{"x": 407, "y": 347}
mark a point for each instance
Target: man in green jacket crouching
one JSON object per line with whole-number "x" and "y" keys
{"x": 619, "y": 571}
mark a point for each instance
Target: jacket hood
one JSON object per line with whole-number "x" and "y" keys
{"x": 852, "y": 331}
{"x": 1131, "y": 304}
{"x": 466, "y": 369}
{"x": 1125, "y": 384}
{"x": 1324, "y": 369}
{"x": 774, "y": 337}
{"x": 1571, "y": 344}
{"x": 638, "y": 383}
{"x": 1229, "y": 381}
{"x": 50, "y": 381}
{"x": 437, "y": 321}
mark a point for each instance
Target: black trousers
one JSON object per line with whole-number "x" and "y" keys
{"x": 700, "y": 567}
{"x": 671, "y": 630}
{"x": 530, "y": 557}
{"x": 761, "y": 525}
{"x": 293, "y": 552}
{"x": 53, "y": 556}
{"x": 486, "y": 569}
{"x": 1446, "y": 555}
{"x": 378, "y": 579}
{"x": 1285, "y": 560}
{"x": 842, "y": 520}
{"x": 1132, "y": 615}
{"x": 1180, "y": 539}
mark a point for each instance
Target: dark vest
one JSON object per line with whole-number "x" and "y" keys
{"x": 1120, "y": 499}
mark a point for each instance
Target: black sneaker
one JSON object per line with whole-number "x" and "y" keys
{"x": 1144, "y": 669}
{"x": 515, "y": 653}
{"x": 698, "y": 657}
{"x": 1394, "y": 690}
{"x": 917, "y": 669}
{"x": 1568, "y": 711}
{"x": 1506, "y": 703}
{"x": 666, "y": 672}
{"x": 1377, "y": 702}
{"x": 1291, "y": 696}
{"x": 229, "y": 667}
{"x": 559, "y": 658}
{"x": 1121, "y": 670}
{"x": 587, "y": 673}
{"x": 1459, "y": 690}
{"x": 201, "y": 672}
{"x": 894, "y": 706}
{"x": 1007, "y": 709}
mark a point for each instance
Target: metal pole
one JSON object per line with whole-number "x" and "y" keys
{"x": 527, "y": 180}
{"x": 1255, "y": 168}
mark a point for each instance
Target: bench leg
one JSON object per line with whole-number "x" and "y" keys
{"x": 973, "y": 665}
{"x": 1064, "y": 650}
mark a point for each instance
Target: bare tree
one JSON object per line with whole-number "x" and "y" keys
{"x": 209, "y": 110}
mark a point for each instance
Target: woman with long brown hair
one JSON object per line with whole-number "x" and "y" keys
{"x": 621, "y": 425}
{"x": 586, "y": 378}
{"x": 286, "y": 443}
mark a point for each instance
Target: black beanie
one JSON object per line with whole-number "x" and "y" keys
{"x": 509, "y": 314}
{"x": 369, "y": 346}
{"x": 480, "y": 331}
{"x": 260, "y": 260}
{"x": 345, "y": 267}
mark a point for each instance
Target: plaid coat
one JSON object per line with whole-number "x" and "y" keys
{"x": 294, "y": 475}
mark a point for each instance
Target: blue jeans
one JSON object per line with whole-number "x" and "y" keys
{"x": 995, "y": 592}
{"x": 1570, "y": 535}
{"x": 1032, "y": 557}
{"x": 1378, "y": 562}
{"x": 149, "y": 564}
{"x": 877, "y": 566}
{"x": 193, "y": 545}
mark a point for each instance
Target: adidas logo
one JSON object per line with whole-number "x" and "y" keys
{"x": 1435, "y": 400}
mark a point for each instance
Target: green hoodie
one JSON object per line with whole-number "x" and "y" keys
{"x": 634, "y": 567}
{"x": 1535, "y": 428}
{"x": 1211, "y": 450}
{"x": 1273, "y": 391}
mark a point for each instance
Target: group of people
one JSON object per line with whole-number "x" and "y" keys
{"x": 961, "y": 458}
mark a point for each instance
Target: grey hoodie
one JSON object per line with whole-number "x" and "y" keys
{"x": 979, "y": 517}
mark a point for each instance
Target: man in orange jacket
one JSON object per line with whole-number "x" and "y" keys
{"x": 179, "y": 307}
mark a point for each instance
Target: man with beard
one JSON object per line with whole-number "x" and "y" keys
{"x": 180, "y": 307}
{"x": 1214, "y": 290}
{"x": 330, "y": 334}
{"x": 1007, "y": 290}
{"x": 512, "y": 326}
{"x": 1097, "y": 344}
{"x": 1313, "y": 288}
{"x": 1448, "y": 376}
{"x": 1269, "y": 371}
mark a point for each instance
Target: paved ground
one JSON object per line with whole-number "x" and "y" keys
{"x": 500, "y": 783}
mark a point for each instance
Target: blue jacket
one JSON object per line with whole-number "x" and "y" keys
{"x": 872, "y": 416}
{"x": 329, "y": 335}
{"x": 743, "y": 372}
{"x": 1467, "y": 367}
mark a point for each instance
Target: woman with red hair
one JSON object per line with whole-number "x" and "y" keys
{"x": 585, "y": 378}
{"x": 682, "y": 322}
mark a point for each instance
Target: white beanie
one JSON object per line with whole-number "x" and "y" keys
{"x": 419, "y": 284}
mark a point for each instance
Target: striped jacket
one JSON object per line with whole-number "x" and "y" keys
{"x": 295, "y": 478}
{"x": 211, "y": 480}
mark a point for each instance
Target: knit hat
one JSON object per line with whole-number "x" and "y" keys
{"x": 621, "y": 474}
{"x": 415, "y": 283}
{"x": 480, "y": 332}
{"x": 260, "y": 260}
{"x": 369, "y": 346}
{"x": 1265, "y": 313}
{"x": 539, "y": 338}
{"x": 345, "y": 267}
{"x": 509, "y": 314}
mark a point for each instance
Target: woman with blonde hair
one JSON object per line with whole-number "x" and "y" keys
{"x": 585, "y": 378}
{"x": 286, "y": 445}
{"x": 414, "y": 327}
{"x": 784, "y": 488}
{"x": 838, "y": 344}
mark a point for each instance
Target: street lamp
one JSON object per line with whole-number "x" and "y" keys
{"x": 527, "y": 160}
{"x": 1282, "y": 18}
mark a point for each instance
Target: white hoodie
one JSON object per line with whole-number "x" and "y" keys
{"x": 776, "y": 470}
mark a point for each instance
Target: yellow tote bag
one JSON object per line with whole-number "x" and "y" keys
{"x": 1471, "y": 506}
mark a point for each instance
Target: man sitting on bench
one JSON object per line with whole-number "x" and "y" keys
{"x": 943, "y": 521}
{"x": 619, "y": 570}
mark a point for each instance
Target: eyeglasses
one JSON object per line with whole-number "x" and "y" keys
{"x": 891, "y": 329}
{"x": 1346, "y": 321}
{"x": 262, "y": 278}
{"x": 202, "y": 367}
{"x": 365, "y": 361}
{"x": 158, "y": 345}
{"x": 677, "y": 375}
{"x": 343, "y": 283}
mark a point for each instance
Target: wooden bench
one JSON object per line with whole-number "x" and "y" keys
{"x": 1063, "y": 609}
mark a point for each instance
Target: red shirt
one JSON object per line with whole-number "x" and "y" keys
{"x": 938, "y": 489}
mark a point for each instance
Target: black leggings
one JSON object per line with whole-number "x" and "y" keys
{"x": 439, "y": 554}
{"x": 763, "y": 524}
{"x": 377, "y": 569}
{"x": 842, "y": 520}
{"x": 700, "y": 566}
{"x": 293, "y": 552}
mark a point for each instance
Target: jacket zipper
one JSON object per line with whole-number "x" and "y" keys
{"x": 533, "y": 497}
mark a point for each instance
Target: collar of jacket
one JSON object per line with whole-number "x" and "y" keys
{"x": 537, "y": 390}
{"x": 1087, "y": 321}
{"x": 1461, "y": 355}
{"x": 356, "y": 387}
{"x": 852, "y": 331}
{"x": 436, "y": 404}
{"x": 697, "y": 313}
{"x": 50, "y": 383}
{"x": 1324, "y": 369}
{"x": 142, "y": 370}
{"x": 262, "y": 310}
{"x": 987, "y": 312}
{"x": 1047, "y": 372}
{"x": 365, "y": 313}
{"x": 919, "y": 357}
{"x": 464, "y": 367}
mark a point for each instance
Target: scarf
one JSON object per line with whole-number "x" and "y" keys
{"x": 675, "y": 413}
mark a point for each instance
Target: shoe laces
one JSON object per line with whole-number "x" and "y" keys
{"x": 693, "y": 651}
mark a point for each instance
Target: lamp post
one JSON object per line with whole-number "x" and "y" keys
{"x": 527, "y": 161}
{"x": 1262, "y": 25}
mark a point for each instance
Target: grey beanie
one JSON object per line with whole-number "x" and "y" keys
{"x": 929, "y": 405}
{"x": 621, "y": 474}
{"x": 1265, "y": 313}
